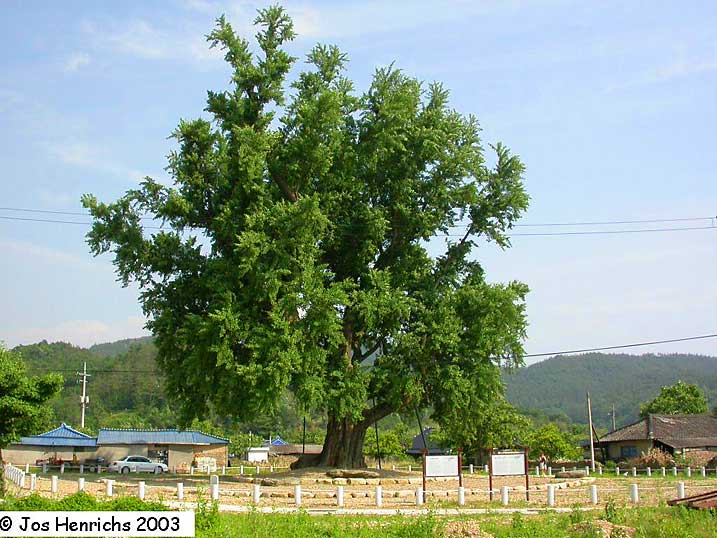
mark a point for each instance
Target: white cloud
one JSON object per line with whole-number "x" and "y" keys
{"x": 81, "y": 332}
{"x": 47, "y": 255}
{"x": 684, "y": 69}
{"x": 85, "y": 155}
{"x": 76, "y": 61}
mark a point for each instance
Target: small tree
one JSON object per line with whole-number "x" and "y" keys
{"x": 680, "y": 398}
{"x": 556, "y": 445}
{"x": 23, "y": 399}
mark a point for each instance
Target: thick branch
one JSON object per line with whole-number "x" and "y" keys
{"x": 376, "y": 413}
{"x": 285, "y": 189}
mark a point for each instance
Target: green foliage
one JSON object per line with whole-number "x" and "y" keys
{"x": 80, "y": 501}
{"x": 680, "y": 398}
{"x": 556, "y": 445}
{"x": 293, "y": 253}
{"x": 23, "y": 399}
{"x": 389, "y": 443}
{"x": 557, "y": 386}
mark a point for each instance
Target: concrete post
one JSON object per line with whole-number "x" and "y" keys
{"x": 617, "y": 471}
{"x": 704, "y": 472}
{"x": 53, "y": 485}
{"x": 674, "y": 471}
{"x": 634, "y": 494}
{"x": 470, "y": 468}
{"x": 461, "y": 496}
{"x": 180, "y": 491}
{"x": 680, "y": 490}
{"x": 688, "y": 471}
{"x": 562, "y": 469}
{"x": 191, "y": 470}
{"x": 82, "y": 468}
{"x": 379, "y": 496}
{"x": 44, "y": 468}
{"x": 271, "y": 468}
{"x": 241, "y": 470}
{"x": 600, "y": 470}
{"x": 297, "y": 495}
{"x": 587, "y": 470}
{"x": 258, "y": 469}
{"x": 62, "y": 468}
{"x": 215, "y": 491}
{"x": 27, "y": 467}
{"x": 662, "y": 470}
{"x": 33, "y": 482}
{"x": 410, "y": 468}
{"x": 109, "y": 488}
{"x": 224, "y": 469}
{"x": 649, "y": 471}
{"x": 419, "y": 496}
{"x": 504, "y": 495}
{"x": 550, "y": 471}
{"x": 140, "y": 491}
{"x": 256, "y": 494}
{"x": 214, "y": 479}
{"x": 537, "y": 470}
{"x": 340, "y": 496}
{"x": 593, "y": 494}
{"x": 22, "y": 479}
{"x": 485, "y": 468}
{"x": 551, "y": 495}
{"x": 80, "y": 484}
{"x": 634, "y": 471}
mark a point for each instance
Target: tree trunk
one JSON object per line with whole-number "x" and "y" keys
{"x": 343, "y": 446}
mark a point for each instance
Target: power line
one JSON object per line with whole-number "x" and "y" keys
{"x": 621, "y": 346}
{"x": 519, "y": 225}
{"x": 536, "y": 234}
{"x": 586, "y": 350}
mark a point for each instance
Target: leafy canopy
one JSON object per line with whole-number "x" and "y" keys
{"x": 23, "y": 399}
{"x": 294, "y": 250}
{"x": 680, "y": 398}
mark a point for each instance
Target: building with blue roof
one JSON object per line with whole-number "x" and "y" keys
{"x": 177, "y": 448}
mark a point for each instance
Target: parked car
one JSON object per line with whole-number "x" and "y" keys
{"x": 137, "y": 464}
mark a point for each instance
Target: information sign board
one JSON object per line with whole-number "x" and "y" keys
{"x": 508, "y": 464}
{"x": 442, "y": 466}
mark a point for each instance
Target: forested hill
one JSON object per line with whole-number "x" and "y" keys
{"x": 111, "y": 349}
{"x": 558, "y": 385}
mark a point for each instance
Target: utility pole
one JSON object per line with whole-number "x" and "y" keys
{"x": 613, "y": 418}
{"x": 592, "y": 442}
{"x": 84, "y": 399}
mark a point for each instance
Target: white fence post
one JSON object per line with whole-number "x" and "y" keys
{"x": 680, "y": 490}
{"x": 551, "y": 495}
{"x": 504, "y": 495}
{"x": 649, "y": 471}
{"x": 215, "y": 491}
{"x": 662, "y": 470}
{"x": 600, "y": 470}
{"x": 550, "y": 471}
{"x": 410, "y": 468}
{"x": 82, "y": 468}
{"x": 470, "y": 468}
{"x": 108, "y": 490}
{"x": 634, "y": 471}
{"x": 704, "y": 472}
{"x": 27, "y": 468}
{"x": 593, "y": 494}
{"x": 256, "y": 493}
{"x": 180, "y": 491}
{"x": 485, "y": 468}
{"x": 587, "y": 470}
{"x": 634, "y": 494}
{"x": 80, "y": 484}
{"x": 33, "y": 482}
{"x": 22, "y": 480}
{"x": 461, "y": 496}
{"x": 674, "y": 470}
{"x": 419, "y": 496}
{"x": 379, "y": 496}
{"x": 53, "y": 484}
{"x": 537, "y": 470}
{"x": 241, "y": 470}
{"x": 44, "y": 468}
{"x": 340, "y": 496}
{"x": 688, "y": 471}
{"x": 224, "y": 469}
{"x": 617, "y": 471}
{"x": 297, "y": 495}
{"x": 140, "y": 491}
{"x": 62, "y": 468}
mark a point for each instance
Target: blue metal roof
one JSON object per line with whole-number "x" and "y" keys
{"x": 157, "y": 437}
{"x": 63, "y": 435}
{"x": 276, "y": 441}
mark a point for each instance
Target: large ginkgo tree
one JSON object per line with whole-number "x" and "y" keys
{"x": 321, "y": 240}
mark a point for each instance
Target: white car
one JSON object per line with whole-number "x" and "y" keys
{"x": 137, "y": 464}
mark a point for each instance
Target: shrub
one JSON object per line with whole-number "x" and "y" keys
{"x": 653, "y": 458}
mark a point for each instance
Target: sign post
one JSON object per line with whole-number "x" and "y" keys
{"x": 509, "y": 463}
{"x": 442, "y": 466}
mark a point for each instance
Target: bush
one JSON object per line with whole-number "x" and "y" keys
{"x": 653, "y": 458}
{"x": 79, "y": 502}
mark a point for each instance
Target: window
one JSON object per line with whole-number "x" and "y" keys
{"x": 629, "y": 451}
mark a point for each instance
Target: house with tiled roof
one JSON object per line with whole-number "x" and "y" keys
{"x": 177, "y": 448}
{"x": 675, "y": 434}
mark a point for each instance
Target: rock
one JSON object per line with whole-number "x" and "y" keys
{"x": 465, "y": 529}
{"x": 270, "y": 482}
{"x": 352, "y": 473}
{"x": 570, "y": 474}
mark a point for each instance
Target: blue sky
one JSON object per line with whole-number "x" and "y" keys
{"x": 611, "y": 105}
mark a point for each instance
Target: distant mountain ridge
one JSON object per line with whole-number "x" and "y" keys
{"x": 111, "y": 349}
{"x": 559, "y": 384}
